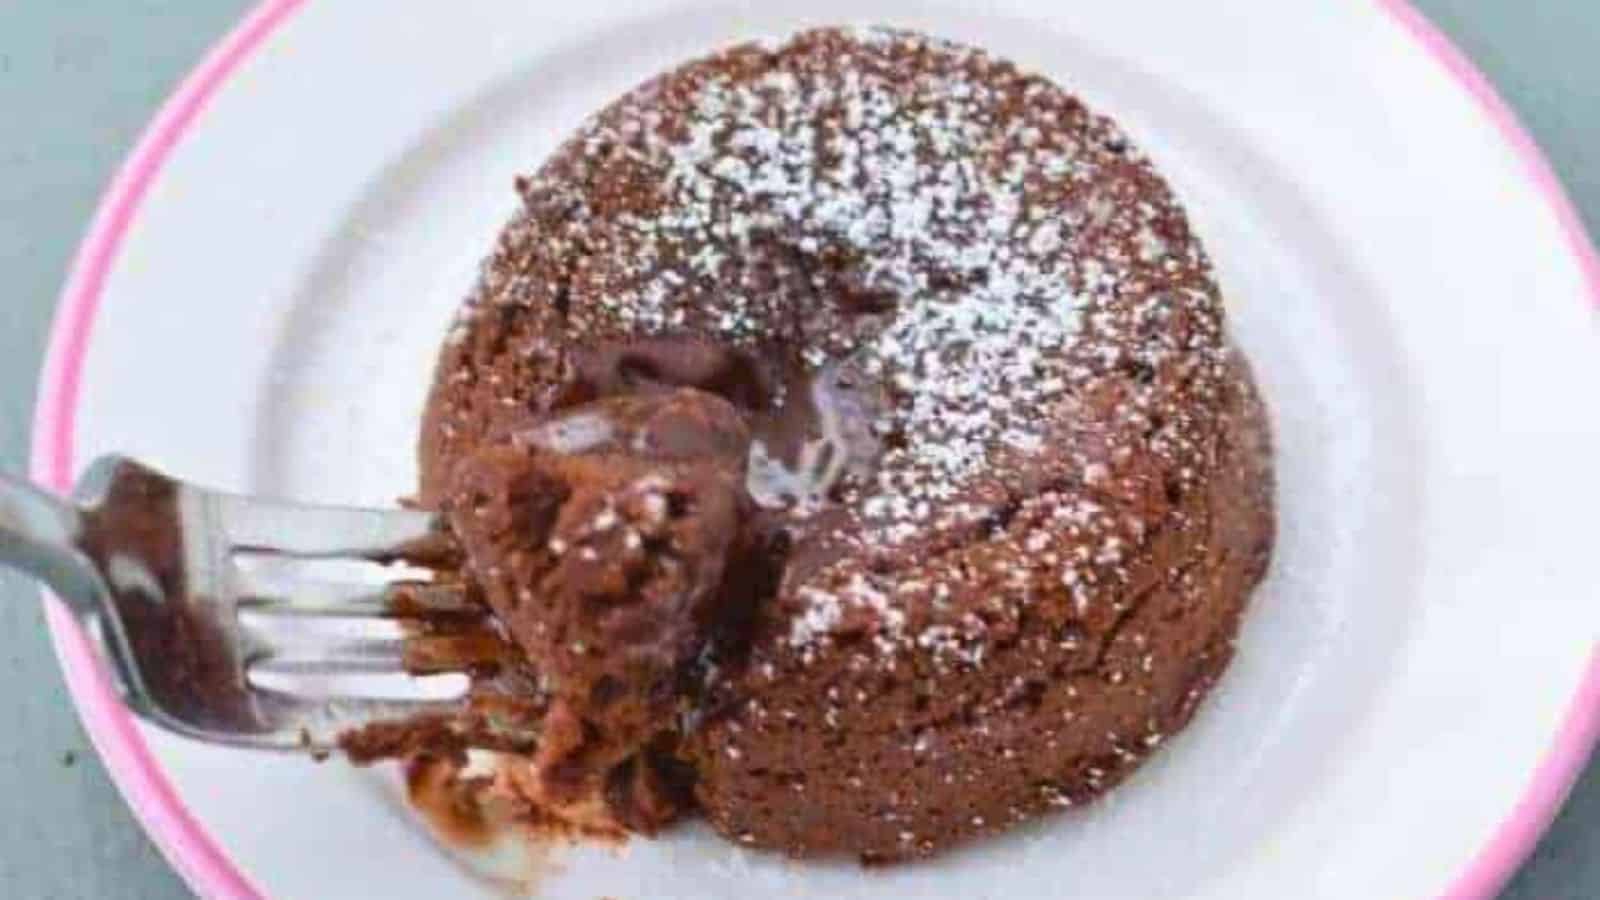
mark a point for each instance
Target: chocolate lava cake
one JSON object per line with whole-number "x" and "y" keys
{"x": 846, "y": 432}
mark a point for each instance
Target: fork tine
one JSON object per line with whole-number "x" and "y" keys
{"x": 293, "y": 529}
{"x": 319, "y": 655}
{"x": 316, "y": 724}
{"x": 309, "y": 597}
{"x": 423, "y": 654}
{"x": 266, "y": 634}
{"x": 321, "y": 601}
{"x": 326, "y": 665}
{"x": 312, "y": 599}
{"x": 350, "y": 712}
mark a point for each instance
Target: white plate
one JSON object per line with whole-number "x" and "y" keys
{"x": 270, "y": 279}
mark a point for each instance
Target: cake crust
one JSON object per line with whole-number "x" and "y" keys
{"x": 1043, "y": 516}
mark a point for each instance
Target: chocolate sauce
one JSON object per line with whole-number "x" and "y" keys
{"x": 810, "y": 431}
{"x": 818, "y": 442}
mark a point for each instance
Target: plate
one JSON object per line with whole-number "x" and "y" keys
{"x": 259, "y": 301}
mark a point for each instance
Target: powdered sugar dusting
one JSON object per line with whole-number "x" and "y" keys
{"x": 979, "y": 246}
{"x": 983, "y": 300}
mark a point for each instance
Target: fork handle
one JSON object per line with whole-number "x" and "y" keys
{"x": 38, "y": 534}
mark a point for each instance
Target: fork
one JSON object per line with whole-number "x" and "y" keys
{"x": 213, "y": 617}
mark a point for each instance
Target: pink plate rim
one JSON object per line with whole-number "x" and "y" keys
{"x": 197, "y": 856}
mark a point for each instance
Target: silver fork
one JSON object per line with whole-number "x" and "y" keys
{"x": 192, "y": 597}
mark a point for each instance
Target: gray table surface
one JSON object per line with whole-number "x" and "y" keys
{"x": 78, "y": 79}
